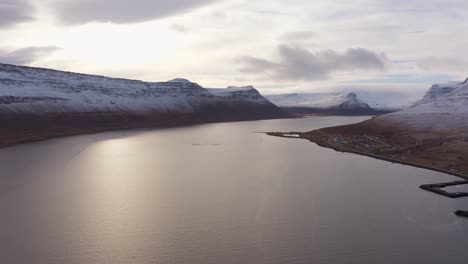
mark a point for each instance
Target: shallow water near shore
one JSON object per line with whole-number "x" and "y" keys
{"x": 220, "y": 193}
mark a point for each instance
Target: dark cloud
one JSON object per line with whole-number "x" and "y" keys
{"x": 25, "y": 56}
{"x": 256, "y": 65}
{"x": 122, "y": 11}
{"x": 15, "y": 11}
{"x": 296, "y": 63}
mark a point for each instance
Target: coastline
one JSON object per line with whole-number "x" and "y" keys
{"x": 18, "y": 130}
{"x": 322, "y": 143}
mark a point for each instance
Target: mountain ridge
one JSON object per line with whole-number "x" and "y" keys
{"x": 347, "y": 103}
{"x": 443, "y": 108}
{"x": 38, "y": 103}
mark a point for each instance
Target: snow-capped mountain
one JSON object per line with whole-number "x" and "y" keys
{"x": 333, "y": 102}
{"x": 345, "y": 101}
{"x": 387, "y": 100}
{"x": 34, "y": 91}
{"x": 440, "y": 90}
{"x": 444, "y": 107}
{"x": 65, "y": 100}
{"x": 380, "y": 101}
{"x": 245, "y": 93}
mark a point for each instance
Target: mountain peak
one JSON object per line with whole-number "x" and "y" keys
{"x": 345, "y": 102}
{"x": 440, "y": 90}
{"x": 447, "y": 97}
{"x": 349, "y": 95}
{"x": 235, "y": 91}
{"x": 180, "y": 80}
{"x": 443, "y": 108}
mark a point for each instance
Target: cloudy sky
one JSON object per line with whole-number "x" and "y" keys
{"x": 277, "y": 46}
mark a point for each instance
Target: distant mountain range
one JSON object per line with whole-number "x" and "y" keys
{"x": 326, "y": 103}
{"x": 40, "y": 103}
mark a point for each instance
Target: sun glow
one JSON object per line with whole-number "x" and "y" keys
{"x": 108, "y": 45}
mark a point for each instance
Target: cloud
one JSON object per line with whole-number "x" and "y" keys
{"x": 15, "y": 11}
{"x": 25, "y": 56}
{"x": 298, "y": 36}
{"x": 122, "y": 11}
{"x": 180, "y": 28}
{"x": 422, "y": 5}
{"x": 442, "y": 64}
{"x": 256, "y": 65}
{"x": 296, "y": 63}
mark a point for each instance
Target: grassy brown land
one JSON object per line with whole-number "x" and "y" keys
{"x": 445, "y": 151}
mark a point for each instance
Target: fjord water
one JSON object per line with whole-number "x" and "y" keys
{"x": 219, "y": 193}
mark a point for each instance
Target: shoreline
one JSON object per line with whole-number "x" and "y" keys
{"x": 437, "y": 188}
{"x": 367, "y": 154}
{"x": 20, "y": 131}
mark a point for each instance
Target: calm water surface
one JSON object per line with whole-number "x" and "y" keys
{"x": 219, "y": 193}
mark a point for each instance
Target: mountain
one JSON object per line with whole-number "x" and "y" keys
{"x": 440, "y": 90}
{"x": 347, "y": 101}
{"x": 38, "y": 103}
{"x": 432, "y": 133}
{"x": 387, "y": 100}
{"x": 326, "y": 103}
{"x": 443, "y": 108}
{"x": 299, "y": 99}
{"x": 246, "y": 93}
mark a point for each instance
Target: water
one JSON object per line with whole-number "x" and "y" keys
{"x": 219, "y": 193}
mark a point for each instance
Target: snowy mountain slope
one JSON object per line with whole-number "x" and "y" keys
{"x": 440, "y": 90}
{"x": 37, "y": 104}
{"x": 444, "y": 107}
{"x": 384, "y": 101}
{"x": 387, "y": 100}
{"x": 33, "y": 90}
{"x": 340, "y": 102}
{"x": 442, "y": 99}
{"x": 348, "y": 101}
{"x": 378, "y": 100}
{"x": 244, "y": 93}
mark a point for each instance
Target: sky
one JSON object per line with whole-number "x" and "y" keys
{"x": 277, "y": 46}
